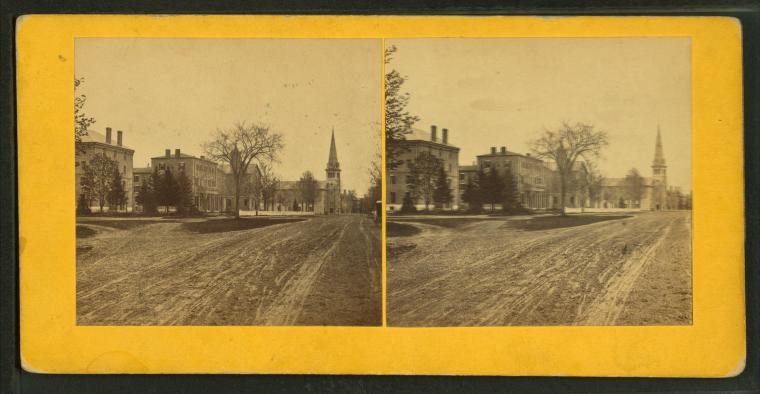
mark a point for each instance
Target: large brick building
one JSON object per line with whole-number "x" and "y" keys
{"x": 417, "y": 142}
{"x": 96, "y": 143}
{"x": 535, "y": 180}
{"x": 212, "y": 184}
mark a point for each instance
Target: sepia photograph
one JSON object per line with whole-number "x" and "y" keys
{"x": 538, "y": 181}
{"x": 228, "y": 182}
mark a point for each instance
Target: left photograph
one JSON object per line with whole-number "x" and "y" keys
{"x": 228, "y": 182}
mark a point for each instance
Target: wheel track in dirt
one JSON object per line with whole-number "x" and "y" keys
{"x": 552, "y": 276}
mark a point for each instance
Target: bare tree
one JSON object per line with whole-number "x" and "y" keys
{"x": 241, "y": 145}
{"x": 590, "y": 183}
{"x": 565, "y": 146}
{"x": 421, "y": 181}
{"x": 98, "y": 178}
{"x": 268, "y": 184}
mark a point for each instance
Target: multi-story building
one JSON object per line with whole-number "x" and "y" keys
{"x": 534, "y": 178}
{"x": 206, "y": 176}
{"x": 95, "y": 143}
{"x": 212, "y": 184}
{"x": 417, "y": 142}
{"x": 140, "y": 175}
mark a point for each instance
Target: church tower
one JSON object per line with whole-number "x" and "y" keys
{"x": 659, "y": 175}
{"x": 333, "y": 179}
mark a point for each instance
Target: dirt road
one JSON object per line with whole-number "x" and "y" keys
{"x": 625, "y": 271}
{"x": 321, "y": 271}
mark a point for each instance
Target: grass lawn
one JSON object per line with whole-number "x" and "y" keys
{"x": 551, "y": 222}
{"x": 394, "y": 229}
{"x": 122, "y": 224}
{"x": 225, "y": 225}
{"x": 85, "y": 232}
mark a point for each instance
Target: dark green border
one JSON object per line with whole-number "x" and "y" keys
{"x": 15, "y": 380}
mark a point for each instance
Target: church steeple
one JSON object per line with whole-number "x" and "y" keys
{"x": 659, "y": 156}
{"x": 333, "y": 167}
{"x": 332, "y": 161}
{"x": 332, "y": 199}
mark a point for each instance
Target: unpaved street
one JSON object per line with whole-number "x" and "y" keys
{"x": 461, "y": 272}
{"x": 320, "y": 271}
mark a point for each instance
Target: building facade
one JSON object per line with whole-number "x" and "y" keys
{"x": 645, "y": 193}
{"x": 95, "y": 143}
{"x": 417, "y": 142}
{"x": 535, "y": 180}
{"x": 328, "y": 196}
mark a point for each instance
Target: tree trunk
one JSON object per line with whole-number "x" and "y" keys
{"x": 237, "y": 197}
{"x": 562, "y": 194}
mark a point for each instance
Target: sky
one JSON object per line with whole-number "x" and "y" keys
{"x": 504, "y": 92}
{"x": 175, "y": 93}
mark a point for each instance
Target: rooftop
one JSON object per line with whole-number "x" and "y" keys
{"x": 100, "y": 138}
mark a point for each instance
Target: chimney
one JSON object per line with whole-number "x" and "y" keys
{"x": 445, "y": 136}
{"x": 118, "y": 137}
{"x": 108, "y": 135}
{"x": 203, "y": 157}
{"x": 168, "y": 153}
{"x": 493, "y": 150}
{"x": 176, "y": 153}
{"x": 433, "y": 136}
{"x": 503, "y": 150}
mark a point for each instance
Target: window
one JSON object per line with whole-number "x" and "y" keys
{"x": 408, "y": 179}
{"x": 181, "y": 166}
{"x": 124, "y": 170}
{"x": 393, "y": 197}
{"x": 137, "y": 178}
{"x": 461, "y": 177}
{"x": 393, "y": 179}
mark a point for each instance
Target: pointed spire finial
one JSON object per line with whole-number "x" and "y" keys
{"x": 332, "y": 161}
{"x": 659, "y": 156}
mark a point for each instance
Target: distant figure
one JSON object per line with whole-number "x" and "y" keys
{"x": 378, "y": 210}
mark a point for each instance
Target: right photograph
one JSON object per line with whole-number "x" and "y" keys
{"x": 538, "y": 181}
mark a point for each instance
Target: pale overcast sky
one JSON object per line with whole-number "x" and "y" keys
{"x": 503, "y": 92}
{"x": 173, "y": 93}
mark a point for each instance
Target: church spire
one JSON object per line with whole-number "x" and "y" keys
{"x": 332, "y": 162}
{"x": 659, "y": 156}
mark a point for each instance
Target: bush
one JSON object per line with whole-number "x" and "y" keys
{"x": 408, "y": 205}
{"x": 83, "y": 205}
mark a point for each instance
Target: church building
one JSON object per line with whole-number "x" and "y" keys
{"x": 288, "y": 196}
{"x": 645, "y": 193}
